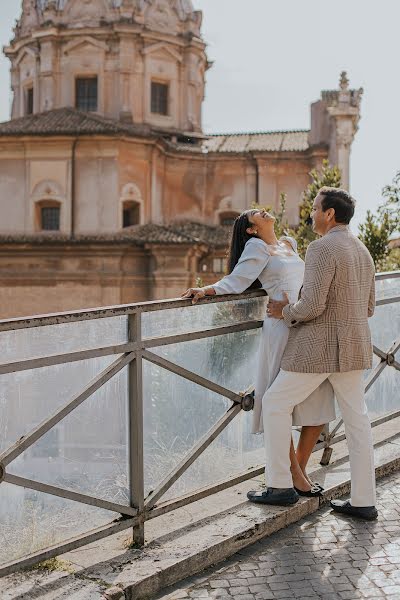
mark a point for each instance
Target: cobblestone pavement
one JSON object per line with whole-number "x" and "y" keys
{"x": 323, "y": 556}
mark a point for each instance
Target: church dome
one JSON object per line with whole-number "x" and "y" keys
{"x": 142, "y": 61}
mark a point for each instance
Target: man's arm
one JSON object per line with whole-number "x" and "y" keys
{"x": 371, "y": 301}
{"x": 319, "y": 272}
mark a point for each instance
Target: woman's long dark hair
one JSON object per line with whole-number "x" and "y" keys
{"x": 238, "y": 241}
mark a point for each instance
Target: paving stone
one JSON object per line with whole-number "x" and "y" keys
{"x": 324, "y": 557}
{"x": 219, "y": 583}
{"x": 199, "y": 593}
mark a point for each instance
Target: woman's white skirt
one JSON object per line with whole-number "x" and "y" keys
{"x": 318, "y": 409}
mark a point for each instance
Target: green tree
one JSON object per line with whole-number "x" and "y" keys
{"x": 377, "y": 229}
{"x": 375, "y": 233}
{"x": 391, "y": 206}
{"x": 328, "y": 176}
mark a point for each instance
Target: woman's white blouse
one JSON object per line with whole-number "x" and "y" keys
{"x": 277, "y": 273}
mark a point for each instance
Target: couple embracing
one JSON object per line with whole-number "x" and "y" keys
{"x": 315, "y": 345}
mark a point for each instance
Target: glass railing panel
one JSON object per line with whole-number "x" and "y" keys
{"x": 385, "y": 325}
{"x": 37, "y": 342}
{"x": 383, "y": 397}
{"x": 32, "y": 521}
{"x": 201, "y": 316}
{"x": 387, "y": 287}
{"x": 87, "y": 451}
{"x": 234, "y": 451}
{"x": 177, "y": 413}
{"x": 229, "y": 360}
{"x": 29, "y": 397}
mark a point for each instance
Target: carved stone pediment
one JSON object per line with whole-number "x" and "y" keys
{"x": 83, "y": 44}
{"x": 86, "y": 12}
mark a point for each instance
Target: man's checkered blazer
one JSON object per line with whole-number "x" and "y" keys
{"x": 329, "y": 329}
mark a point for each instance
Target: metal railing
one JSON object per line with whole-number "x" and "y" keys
{"x": 132, "y": 354}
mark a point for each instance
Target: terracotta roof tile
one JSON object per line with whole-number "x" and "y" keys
{"x": 269, "y": 141}
{"x": 138, "y": 235}
{"x": 69, "y": 121}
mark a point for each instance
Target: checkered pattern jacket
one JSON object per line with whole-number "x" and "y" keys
{"x": 329, "y": 329}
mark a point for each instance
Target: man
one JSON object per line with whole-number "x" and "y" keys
{"x": 329, "y": 339}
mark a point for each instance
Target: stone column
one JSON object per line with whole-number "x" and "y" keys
{"x": 344, "y": 115}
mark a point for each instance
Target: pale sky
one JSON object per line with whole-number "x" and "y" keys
{"x": 272, "y": 59}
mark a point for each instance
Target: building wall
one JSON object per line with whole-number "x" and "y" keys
{"x": 168, "y": 186}
{"x": 50, "y": 277}
{"x": 38, "y": 279}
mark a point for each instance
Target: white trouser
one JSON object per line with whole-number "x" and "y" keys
{"x": 290, "y": 389}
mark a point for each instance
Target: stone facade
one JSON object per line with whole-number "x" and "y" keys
{"x": 140, "y": 193}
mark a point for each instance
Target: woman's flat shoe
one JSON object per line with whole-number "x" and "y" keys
{"x": 317, "y": 485}
{"x": 315, "y": 492}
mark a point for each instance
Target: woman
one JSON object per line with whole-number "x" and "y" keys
{"x": 258, "y": 259}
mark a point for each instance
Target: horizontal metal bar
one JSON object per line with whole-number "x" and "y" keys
{"x": 71, "y": 544}
{"x": 389, "y": 417}
{"x": 69, "y": 495}
{"x": 118, "y": 311}
{"x": 127, "y": 309}
{"x": 60, "y": 359}
{"x": 387, "y": 275}
{"x": 195, "y": 452}
{"x": 384, "y": 301}
{"x": 170, "y": 505}
{"x": 375, "y": 423}
{"x": 206, "y": 383}
{"x": 332, "y": 442}
{"x": 27, "y": 440}
{"x": 198, "y": 335}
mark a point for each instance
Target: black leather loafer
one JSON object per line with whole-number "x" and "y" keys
{"x": 274, "y": 496}
{"x": 368, "y": 513}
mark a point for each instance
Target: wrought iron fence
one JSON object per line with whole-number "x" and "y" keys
{"x": 134, "y": 351}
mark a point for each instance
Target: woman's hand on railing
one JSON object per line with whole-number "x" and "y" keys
{"x": 197, "y": 293}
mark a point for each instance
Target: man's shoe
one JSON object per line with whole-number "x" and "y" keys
{"x": 275, "y": 496}
{"x": 369, "y": 513}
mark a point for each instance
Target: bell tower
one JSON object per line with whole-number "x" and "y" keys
{"x": 334, "y": 123}
{"x": 142, "y": 61}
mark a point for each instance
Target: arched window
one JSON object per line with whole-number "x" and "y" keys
{"x": 130, "y": 213}
{"x": 227, "y": 218}
{"x": 48, "y": 215}
{"x": 48, "y": 202}
{"x": 131, "y": 206}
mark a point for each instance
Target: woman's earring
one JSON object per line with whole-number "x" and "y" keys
{"x": 255, "y": 233}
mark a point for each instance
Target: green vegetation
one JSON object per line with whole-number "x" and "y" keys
{"x": 54, "y": 564}
{"x": 328, "y": 176}
{"x": 377, "y": 229}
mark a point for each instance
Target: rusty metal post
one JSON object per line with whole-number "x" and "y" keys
{"x": 135, "y": 400}
{"x": 327, "y": 453}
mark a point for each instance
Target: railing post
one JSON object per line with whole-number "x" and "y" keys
{"x": 327, "y": 453}
{"x": 135, "y": 399}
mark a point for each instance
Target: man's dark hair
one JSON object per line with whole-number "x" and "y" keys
{"x": 340, "y": 201}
